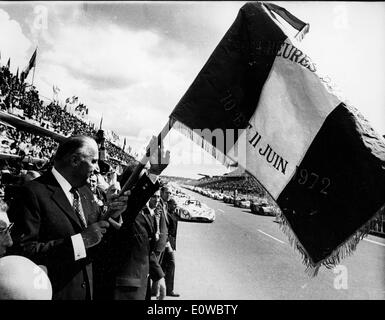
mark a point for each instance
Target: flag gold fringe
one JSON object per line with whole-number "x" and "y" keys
{"x": 312, "y": 268}
{"x": 342, "y": 251}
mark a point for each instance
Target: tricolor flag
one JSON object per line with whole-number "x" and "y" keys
{"x": 260, "y": 101}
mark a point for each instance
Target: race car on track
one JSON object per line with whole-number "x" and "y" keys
{"x": 192, "y": 210}
{"x": 263, "y": 208}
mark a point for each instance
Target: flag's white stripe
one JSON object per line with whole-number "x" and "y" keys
{"x": 293, "y": 105}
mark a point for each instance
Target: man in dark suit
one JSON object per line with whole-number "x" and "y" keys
{"x": 168, "y": 260}
{"x": 58, "y": 224}
{"x": 163, "y": 247}
{"x": 128, "y": 261}
{"x": 139, "y": 263}
{"x": 161, "y": 219}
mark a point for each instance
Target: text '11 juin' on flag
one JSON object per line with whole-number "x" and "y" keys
{"x": 260, "y": 101}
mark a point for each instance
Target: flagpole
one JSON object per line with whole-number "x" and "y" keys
{"x": 142, "y": 163}
{"x": 34, "y": 67}
{"x": 33, "y": 75}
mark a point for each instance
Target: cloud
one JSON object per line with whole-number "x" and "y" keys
{"x": 130, "y": 65}
{"x": 133, "y": 77}
{"x": 13, "y": 43}
{"x": 182, "y": 22}
{"x": 104, "y": 81}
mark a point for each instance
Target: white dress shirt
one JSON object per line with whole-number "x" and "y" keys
{"x": 77, "y": 240}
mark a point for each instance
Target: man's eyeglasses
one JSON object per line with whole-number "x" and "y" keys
{"x": 4, "y": 231}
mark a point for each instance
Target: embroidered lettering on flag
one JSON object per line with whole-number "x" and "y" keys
{"x": 261, "y": 97}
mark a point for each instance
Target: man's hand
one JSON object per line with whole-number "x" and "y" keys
{"x": 116, "y": 204}
{"x": 94, "y": 233}
{"x": 161, "y": 289}
{"x": 168, "y": 247}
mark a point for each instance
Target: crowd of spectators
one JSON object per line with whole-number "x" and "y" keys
{"x": 19, "y": 98}
{"x": 13, "y": 91}
{"x": 26, "y": 153}
{"x": 21, "y": 143}
{"x": 244, "y": 184}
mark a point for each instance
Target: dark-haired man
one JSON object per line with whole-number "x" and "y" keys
{"x": 57, "y": 222}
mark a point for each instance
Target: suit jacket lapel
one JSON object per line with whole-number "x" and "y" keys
{"x": 164, "y": 210}
{"x": 149, "y": 219}
{"x": 61, "y": 200}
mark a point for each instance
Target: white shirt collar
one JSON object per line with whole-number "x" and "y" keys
{"x": 64, "y": 184}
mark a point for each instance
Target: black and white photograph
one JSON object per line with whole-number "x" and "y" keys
{"x": 200, "y": 152}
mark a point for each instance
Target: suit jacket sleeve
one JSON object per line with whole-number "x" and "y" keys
{"x": 140, "y": 194}
{"x": 28, "y": 237}
{"x": 156, "y": 271}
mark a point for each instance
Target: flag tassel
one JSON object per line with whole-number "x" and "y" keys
{"x": 344, "y": 250}
{"x": 341, "y": 252}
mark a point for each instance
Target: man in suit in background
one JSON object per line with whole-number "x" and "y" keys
{"x": 128, "y": 262}
{"x": 161, "y": 234}
{"x": 161, "y": 218}
{"x": 139, "y": 263}
{"x": 57, "y": 222}
{"x": 168, "y": 261}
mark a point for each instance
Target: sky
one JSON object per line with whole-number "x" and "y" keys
{"x": 131, "y": 62}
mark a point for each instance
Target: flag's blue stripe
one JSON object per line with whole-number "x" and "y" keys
{"x": 339, "y": 185}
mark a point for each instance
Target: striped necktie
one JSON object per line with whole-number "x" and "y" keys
{"x": 165, "y": 211}
{"x": 77, "y": 206}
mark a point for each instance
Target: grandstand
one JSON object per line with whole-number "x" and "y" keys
{"x": 31, "y": 130}
{"x": 238, "y": 180}
{"x": 25, "y": 120}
